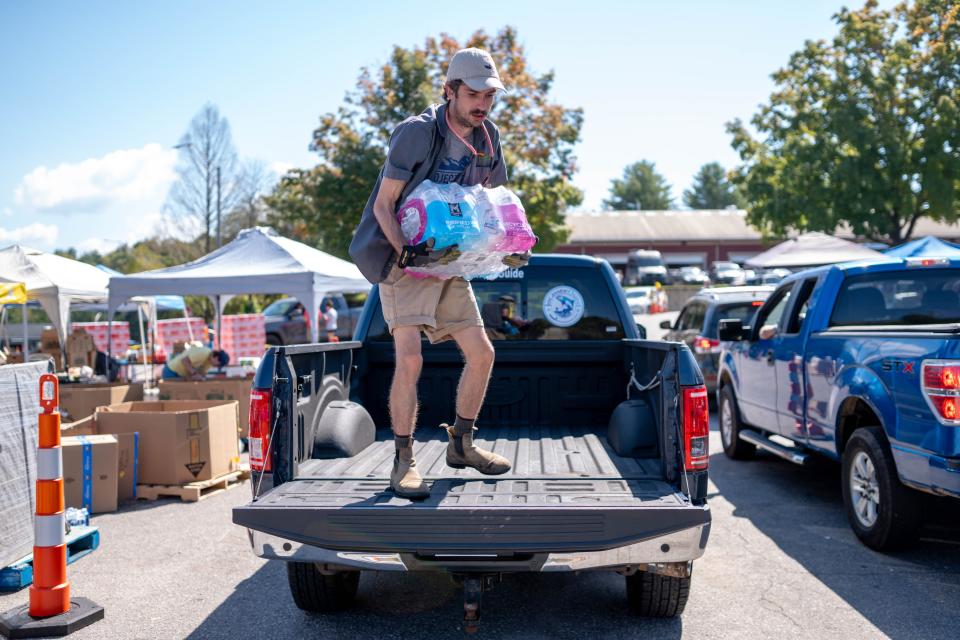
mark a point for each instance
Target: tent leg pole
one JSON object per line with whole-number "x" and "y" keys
{"x": 26, "y": 338}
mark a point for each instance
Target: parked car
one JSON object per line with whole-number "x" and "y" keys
{"x": 644, "y": 300}
{"x": 693, "y": 275}
{"x": 645, "y": 268}
{"x": 858, "y": 363}
{"x": 604, "y": 476}
{"x": 700, "y": 317}
{"x": 727, "y": 273}
{"x": 287, "y": 323}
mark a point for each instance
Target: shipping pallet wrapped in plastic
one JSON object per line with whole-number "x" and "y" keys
{"x": 486, "y": 225}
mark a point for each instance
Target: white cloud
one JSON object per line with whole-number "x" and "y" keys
{"x": 96, "y": 244}
{"x": 124, "y": 176}
{"x": 41, "y": 235}
{"x": 280, "y": 167}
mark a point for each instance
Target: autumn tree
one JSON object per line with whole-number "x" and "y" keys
{"x": 322, "y": 205}
{"x": 862, "y": 131}
{"x": 711, "y": 189}
{"x": 641, "y": 187}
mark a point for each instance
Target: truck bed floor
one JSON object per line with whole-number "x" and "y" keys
{"x": 549, "y": 453}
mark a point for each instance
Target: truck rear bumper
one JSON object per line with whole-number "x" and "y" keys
{"x": 679, "y": 546}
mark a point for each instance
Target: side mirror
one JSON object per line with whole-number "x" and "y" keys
{"x": 768, "y": 332}
{"x": 643, "y": 331}
{"x": 730, "y": 330}
{"x": 666, "y": 324}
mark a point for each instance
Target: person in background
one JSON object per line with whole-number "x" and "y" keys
{"x": 330, "y": 321}
{"x": 193, "y": 363}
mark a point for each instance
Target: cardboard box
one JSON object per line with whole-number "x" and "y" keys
{"x": 77, "y": 401}
{"x": 90, "y": 472}
{"x": 127, "y": 452}
{"x": 128, "y": 448}
{"x": 85, "y": 427}
{"x": 49, "y": 340}
{"x": 217, "y": 389}
{"x": 180, "y": 441}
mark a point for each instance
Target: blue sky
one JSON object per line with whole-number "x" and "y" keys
{"x": 95, "y": 93}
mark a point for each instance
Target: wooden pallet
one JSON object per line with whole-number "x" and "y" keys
{"x": 81, "y": 541}
{"x": 193, "y": 491}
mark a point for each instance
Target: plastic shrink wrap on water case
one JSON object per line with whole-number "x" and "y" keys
{"x": 486, "y": 225}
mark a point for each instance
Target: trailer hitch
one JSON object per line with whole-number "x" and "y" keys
{"x": 474, "y": 584}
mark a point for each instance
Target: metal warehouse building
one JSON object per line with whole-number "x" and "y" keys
{"x": 685, "y": 237}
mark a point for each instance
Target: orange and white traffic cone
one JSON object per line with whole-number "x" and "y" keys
{"x": 51, "y": 611}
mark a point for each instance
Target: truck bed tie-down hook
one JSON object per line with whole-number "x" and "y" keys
{"x": 654, "y": 382}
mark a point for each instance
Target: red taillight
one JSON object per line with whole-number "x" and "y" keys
{"x": 941, "y": 388}
{"x": 706, "y": 345}
{"x": 260, "y": 421}
{"x": 696, "y": 428}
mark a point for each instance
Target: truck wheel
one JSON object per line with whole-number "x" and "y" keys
{"x": 882, "y": 512}
{"x": 274, "y": 340}
{"x": 656, "y": 596}
{"x": 730, "y": 427}
{"x": 315, "y": 591}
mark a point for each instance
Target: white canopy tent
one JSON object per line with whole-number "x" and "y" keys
{"x": 811, "y": 250}
{"x": 54, "y": 282}
{"x": 257, "y": 261}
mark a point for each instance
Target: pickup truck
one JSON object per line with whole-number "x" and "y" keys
{"x": 607, "y": 434}
{"x": 860, "y": 363}
{"x": 286, "y": 323}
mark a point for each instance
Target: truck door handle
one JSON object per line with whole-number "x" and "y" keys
{"x": 770, "y": 358}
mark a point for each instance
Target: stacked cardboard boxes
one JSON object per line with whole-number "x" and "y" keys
{"x": 216, "y": 389}
{"x": 77, "y": 401}
{"x": 90, "y": 472}
{"x": 179, "y": 441}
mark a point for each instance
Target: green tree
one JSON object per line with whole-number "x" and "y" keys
{"x": 862, "y": 131}
{"x": 641, "y": 187}
{"x": 323, "y": 205}
{"x": 711, "y": 189}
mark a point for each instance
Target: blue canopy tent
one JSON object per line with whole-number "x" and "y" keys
{"x": 928, "y": 247}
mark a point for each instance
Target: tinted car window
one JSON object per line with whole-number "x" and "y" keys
{"x": 694, "y": 316}
{"x": 899, "y": 298}
{"x": 799, "y": 313}
{"x": 279, "y": 308}
{"x": 557, "y": 303}
{"x": 742, "y": 311}
{"x": 772, "y": 312}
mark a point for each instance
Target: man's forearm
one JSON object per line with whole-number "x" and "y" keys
{"x": 390, "y": 226}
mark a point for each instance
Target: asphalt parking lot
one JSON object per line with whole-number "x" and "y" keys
{"x": 781, "y": 563}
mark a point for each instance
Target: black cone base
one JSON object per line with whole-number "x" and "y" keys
{"x": 17, "y": 622}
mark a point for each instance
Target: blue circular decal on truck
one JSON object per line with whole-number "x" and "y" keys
{"x": 563, "y": 306}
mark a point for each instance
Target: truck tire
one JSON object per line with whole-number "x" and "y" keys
{"x": 317, "y": 592}
{"x": 883, "y": 512}
{"x": 274, "y": 340}
{"x": 730, "y": 426}
{"x": 655, "y": 596}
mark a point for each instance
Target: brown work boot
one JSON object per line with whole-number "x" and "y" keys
{"x": 405, "y": 480}
{"x": 462, "y": 453}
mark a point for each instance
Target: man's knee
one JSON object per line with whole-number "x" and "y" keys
{"x": 409, "y": 361}
{"x": 408, "y": 365}
{"x": 479, "y": 352}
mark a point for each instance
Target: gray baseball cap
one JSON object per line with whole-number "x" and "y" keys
{"x": 476, "y": 68}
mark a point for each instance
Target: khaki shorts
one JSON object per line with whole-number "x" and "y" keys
{"x": 439, "y": 308}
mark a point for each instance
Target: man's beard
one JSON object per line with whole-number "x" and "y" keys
{"x": 464, "y": 121}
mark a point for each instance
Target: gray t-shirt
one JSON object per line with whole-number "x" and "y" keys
{"x": 418, "y": 151}
{"x": 452, "y": 161}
